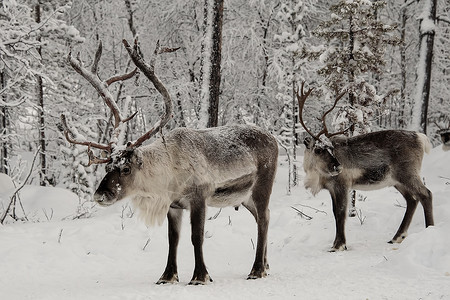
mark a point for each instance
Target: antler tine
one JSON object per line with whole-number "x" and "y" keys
{"x": 70, "y": 137}
{"x": 95, "y": 160}
{"x": 121, "y": 77}
{"x": 325, "y": 129}
{"x": 148, "y": 70}
{"x": 301, "y": 103}
{"x": 100, "y": 86}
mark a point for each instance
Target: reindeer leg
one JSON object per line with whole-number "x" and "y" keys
{"x": 259, "y": 207}
{"x": 252, "y": 209}
{"x": 411, "y": 196}
{"x": 170, "y": 274}
{"x": 411, "y": 204}
{"x": 339, "y": 196}
{"x": 198, "y": 208}
{"x": 426, "y": 199}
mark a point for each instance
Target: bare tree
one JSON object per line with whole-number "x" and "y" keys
{"x": 40, "y": 100}
{"x": 211, "y": 59}
{"x": 427, "y": 33}
{"x": 3, "y": 126}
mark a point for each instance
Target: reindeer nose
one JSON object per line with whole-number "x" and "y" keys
{"x": 337, "y": 169}
{"x": 99, "y": 198}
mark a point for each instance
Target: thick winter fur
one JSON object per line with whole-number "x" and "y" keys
{"x": 191, "y": 169}
{"x": 368, "y": 162}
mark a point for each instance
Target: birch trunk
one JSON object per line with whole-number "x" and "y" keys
{"x": 422, "y": 97}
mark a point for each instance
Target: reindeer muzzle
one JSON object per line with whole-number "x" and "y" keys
{"x": 337, "y": 169}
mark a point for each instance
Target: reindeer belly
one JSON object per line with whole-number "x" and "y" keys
{"x": 374, "y": 178}
{"x": 232, "y": 192}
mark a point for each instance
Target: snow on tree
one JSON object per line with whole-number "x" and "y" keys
{"x": 17, "y": 43}
{"x": 356, "y": 44}
{"x": 53, "y": 37}
{"x": 77, "y": 175}
{"x": 289, "y": 69}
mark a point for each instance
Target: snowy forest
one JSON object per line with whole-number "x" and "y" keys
{"x": 222, "y": 62}
{"x": 391, "y": 56}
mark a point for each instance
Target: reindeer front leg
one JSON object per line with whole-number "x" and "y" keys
{"x": 170, "y": 274}
{"x": 339, "y": 196}
{"x": 198, "y": 208}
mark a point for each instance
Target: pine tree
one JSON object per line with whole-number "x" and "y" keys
{"x": 289, "y": 69}
{"x": 356, "y": 44}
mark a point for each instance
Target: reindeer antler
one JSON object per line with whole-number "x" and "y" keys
{"x": 301, "y": 103}
{"x": 102, "y": 89}
{"x": 149, "y": 71}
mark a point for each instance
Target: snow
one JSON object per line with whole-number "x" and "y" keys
{"x": 112, "y": 255}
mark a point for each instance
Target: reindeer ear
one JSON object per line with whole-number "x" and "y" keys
{"x": 309, "y": 142}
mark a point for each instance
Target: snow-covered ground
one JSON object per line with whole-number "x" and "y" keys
{"x": 112, "y": 255}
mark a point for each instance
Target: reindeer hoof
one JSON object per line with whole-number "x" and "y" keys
{"x": 198, "y": 281}
{"x": 338, "y": 248}
{"x": 257, "y": 274}
{"x": 398, "y": 240}
{"x": 164, "y": 280}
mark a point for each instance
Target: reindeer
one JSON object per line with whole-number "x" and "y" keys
{"x": 183, "y": 169}
{"x": 365, "y": 162}
{"x": 444, "y": 132}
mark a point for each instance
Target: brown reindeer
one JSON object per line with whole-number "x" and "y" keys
{"x": 365, "y": 162}
{"x": 185, "y": 169}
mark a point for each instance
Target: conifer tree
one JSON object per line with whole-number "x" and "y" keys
{"x": 289, "y": 68}
{"x": 356, "y": 44}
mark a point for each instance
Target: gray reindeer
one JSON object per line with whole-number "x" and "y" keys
{"x": 184, "y": 169}
{"x": 365, "y": 162}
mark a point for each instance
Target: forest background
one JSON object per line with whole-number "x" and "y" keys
{"x": 391, "y": 57}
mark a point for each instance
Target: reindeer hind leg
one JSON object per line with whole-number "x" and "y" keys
{"x": 426, "y": 199}
{"x": 260, "y": 201}
{"x": 252, "y": 209}
{"x": 411, "y": 205}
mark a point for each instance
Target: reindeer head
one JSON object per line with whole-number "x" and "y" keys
{"x": 120, "y": 175}
{"x": 319, "y": 154}
{"x": 123, "y": 161}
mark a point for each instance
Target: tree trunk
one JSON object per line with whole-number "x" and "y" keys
{"x": 351, "y": 99}
{"x": 294, "y": 129}
{"x": 40, "y": 98}
{"x": 211, "y": 59}
{"x": 402, "y": 115}
{"x": 3, "y": 128}
{"x": 427, "y": 32}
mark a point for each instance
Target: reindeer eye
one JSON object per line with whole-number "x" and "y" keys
{"x": 318, "y": 150}
{"x": 126, "y": 170}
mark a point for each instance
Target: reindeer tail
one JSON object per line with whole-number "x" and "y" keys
{"x": 425, "y": 141}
